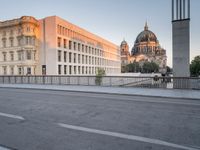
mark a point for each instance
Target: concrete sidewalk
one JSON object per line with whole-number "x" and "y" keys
{"x": 169, "y": 93}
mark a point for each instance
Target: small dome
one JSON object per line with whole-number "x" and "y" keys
{"x": 124, "y": 43}
{"x": 146, "y": 36}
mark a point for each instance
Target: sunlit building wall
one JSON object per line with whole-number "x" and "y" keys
{"x": 19, "y": 46}
{"x": 57, "y": 47}
{"x": 70, "y": 50}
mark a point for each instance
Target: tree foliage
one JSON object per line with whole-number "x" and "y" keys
{"x": 195, "y": 67}
{"x": 133, "y": 67}
{"x": 149, "y": 67}
{"x": 100, "y": 73}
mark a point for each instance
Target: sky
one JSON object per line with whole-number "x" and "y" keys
{"x": 113, "y": 20}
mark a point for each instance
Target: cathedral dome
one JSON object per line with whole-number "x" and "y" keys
{"x": 146, "y": 36}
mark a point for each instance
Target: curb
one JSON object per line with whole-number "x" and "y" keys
{"x": 184, "y": 98}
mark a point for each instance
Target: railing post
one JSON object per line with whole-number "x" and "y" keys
{"x": 69, "y": 80}
{"x": 3, "y": 79}
{"x": 9, "y": 79}
{"x": 28, "y": 79}
{"x": 51, "y": 80}
{"x": 59, "y": 77}
{"x": 22, "y": 81}
{"x": 110, "y": 81}
{"x": 88, "y": 81}
{"x": 43, "y": 80}
{"x": 78, "y": 80}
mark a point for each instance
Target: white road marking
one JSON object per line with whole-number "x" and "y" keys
{"x": 11, "y": 116}
{"x": 126, "y": 136}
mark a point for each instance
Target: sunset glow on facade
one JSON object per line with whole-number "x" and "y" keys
{"x": 53, "y": 46}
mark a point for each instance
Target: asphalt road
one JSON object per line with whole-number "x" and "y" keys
{"x": 58, "y": 120}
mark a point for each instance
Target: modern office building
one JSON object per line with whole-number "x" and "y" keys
{"x": 53, "y": 46}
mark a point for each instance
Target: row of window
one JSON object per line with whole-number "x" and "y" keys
{"x": 22, "y": 55}
{"x": 75, "y": 35}
{"x": 18, "y": 31}
{"x": 20, "y": 70}
{"x": 78, "y": 46}
{"x": 83, "y": 59}
{"x": 27, "y": 40}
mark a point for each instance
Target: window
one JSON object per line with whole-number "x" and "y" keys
{"x": 74, "y": 45}
{"x": 59, "y": 42}
{"x": 59, "y": 69}
{"x": 90, "y": 60}
{"x": 82, "y": 70}
{"x": 20, "y": 70}
{"x": 4, "y": 43}
{"x": 65, "y": 69}
{"x": 33, "y": 40}
{"x": 70, "y": 57}
{"x": 82, "y": 59}
{"x": 4, "y": 33}
{"x": 82, "y": 48}
{"x": 70, "y": 69}
{"x": 65, "y": 43}
{"x": 79, "y": 58}
{"x": 79, "y": 70}
{"x": 12, "y": 56}
{"x": 4, "y": 70}
{"x": 86, "y": 48}
{"x": 28, "y": 55}
{"x": 70, "y": 44}
{"x": 59, "y": 55}
{"x": 89, "y": 50}
{"x": 65, "y": 56}
{"x": 12, "y": 70}
{"x": 11, "y": 42}
{"x": 74, "y": 69}
{"x": 28, "y": 71}
{"x": 27, "y": 40}
{"x": 86, "y": 60}
{"x": 86, "y": 70}
{"x": 20, "y": 55}
{"x": 4, "y": 56}
{"x": 79, "y": 46}
{"x": 74, "y": 58}
{"x": 19, "y": 41}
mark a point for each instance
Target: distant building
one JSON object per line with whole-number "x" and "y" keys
{"x": 53, "y": 46}
{"x": 146, "y": 49}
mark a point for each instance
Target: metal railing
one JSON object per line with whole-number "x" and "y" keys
{"x": 114, "y": 81}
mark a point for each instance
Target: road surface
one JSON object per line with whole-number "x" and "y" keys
{"x": 60, "y": 120}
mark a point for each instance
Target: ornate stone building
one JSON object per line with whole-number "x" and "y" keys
{"x": 146, "y": 48}
{"x": 54, "y": 46}
{"x": 19, "y": 46}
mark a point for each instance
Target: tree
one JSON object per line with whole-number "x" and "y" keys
{"x": 195, "y": 67}
{"x": 133, "y": 67}
{"x": 149, "y": 67}
{"x": 100, "y": 73}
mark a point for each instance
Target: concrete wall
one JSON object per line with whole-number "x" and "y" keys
{"x": 181, "y": 48}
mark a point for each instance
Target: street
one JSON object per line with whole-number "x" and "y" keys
{"x": 60, "y": 120}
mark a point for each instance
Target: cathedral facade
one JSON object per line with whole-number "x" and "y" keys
{"x": 146, "y": 49}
